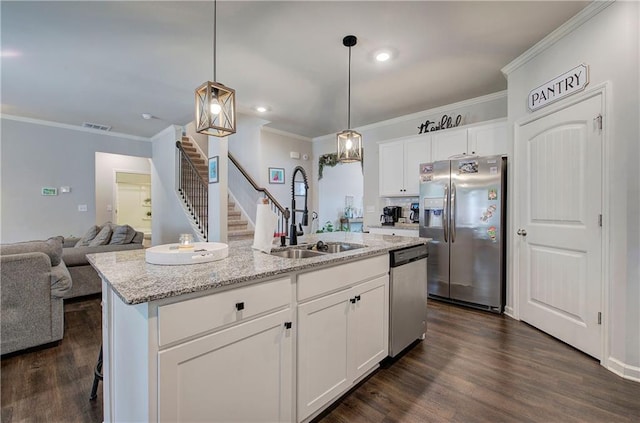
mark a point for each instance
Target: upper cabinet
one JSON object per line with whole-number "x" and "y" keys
{"x": 400, "y": 159}
{"x": 483, "y": 139}
{"x": 400, "y": 165}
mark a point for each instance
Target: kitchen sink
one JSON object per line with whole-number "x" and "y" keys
{"x": 295, "y": 253}
{"x": 341, "y": 247}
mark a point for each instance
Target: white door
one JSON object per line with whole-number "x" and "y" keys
{"x": 391, "y": 168}
{"x": 323, "y": 371}
{"x": 368, "y": 325}
{"x": 448, "y": 143}
{"x": 240, "y": 374}
{"x": 416, "y": 151}
{"x": 560, "y": 197}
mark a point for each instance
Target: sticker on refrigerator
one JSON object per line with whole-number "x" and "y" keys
{"x": 426, "y": 168}
{"x": 493, "y": 170}
{"x": 488, "y": 213}
{"x": 470, "y": 166}
{"x": 491, "y": 231}
{"x": 493, "y": 194}
{"x": 426, "y": 178}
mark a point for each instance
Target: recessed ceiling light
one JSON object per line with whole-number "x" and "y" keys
{"x": 383, "y": 56}
{"x": 146, "y": 116}
{"x": 261, "y": 109}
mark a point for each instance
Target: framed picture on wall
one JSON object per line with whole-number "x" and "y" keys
{"x": 276, "y": 175}
{"x": 213, "y": 170}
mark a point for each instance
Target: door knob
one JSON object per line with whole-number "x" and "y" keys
{"x": 522, "y": 232}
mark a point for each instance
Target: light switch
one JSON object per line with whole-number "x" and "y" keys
{"x": 82, "y": 207}
{"x": 65, "y": 190}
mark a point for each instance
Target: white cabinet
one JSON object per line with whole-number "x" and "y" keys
{"x": 449, "y": 143}
{"x": 490, "y": 139}
{"x": 484, "y": 139}
{"x": 399, "y": 165}
{"x": 342, "y": 335}
{"x": 243, "y": 373}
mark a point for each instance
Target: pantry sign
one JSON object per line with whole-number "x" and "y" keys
{"x": 566, "y": 84}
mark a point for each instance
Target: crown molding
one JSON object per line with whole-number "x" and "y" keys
{"x": 286, "y": 134}
{"x": 72, "y": 127}
{"x": 563, "y": 30}
{"x": 419, "y": 115}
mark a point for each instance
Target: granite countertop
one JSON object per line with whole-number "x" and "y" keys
{"x": 135, "y": 281}
{"x": 396, "y": 226}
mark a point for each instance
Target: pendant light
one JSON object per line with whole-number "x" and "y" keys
{"x": 215, "y": 103}
{"x": 349, "y": 141}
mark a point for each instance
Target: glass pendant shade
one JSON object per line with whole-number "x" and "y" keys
{"x": 215, "y": 109}
{"x": 349, "y": 146}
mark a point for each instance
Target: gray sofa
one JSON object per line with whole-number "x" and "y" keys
{"x": 33, "y": 281}
{"x": 85, "y": 279}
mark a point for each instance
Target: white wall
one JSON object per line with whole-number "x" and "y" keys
{"x": 168, "y": 217}
{"x": 344, "y": 179}
{"x": 275, "y": 153}
{"x": 36, "y": 154}
{"x": 106, "y": 166}
{"x": 608, "y": 44}
{"x": 484, "y": 108}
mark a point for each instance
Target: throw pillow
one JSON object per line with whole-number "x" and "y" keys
{"x": 122, "y": 235}
{"x": 88, "y": 236}
{"x": 102, "y": 238}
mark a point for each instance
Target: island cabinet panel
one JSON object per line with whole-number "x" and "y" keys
{"x": 188, "y": 318}
{"x": 330, "y": 279}
{"x": 341, "y": 337}
{"x": 243, "y": 373}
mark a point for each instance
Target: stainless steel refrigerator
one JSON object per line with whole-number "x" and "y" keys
{"x": 463, "y": 210}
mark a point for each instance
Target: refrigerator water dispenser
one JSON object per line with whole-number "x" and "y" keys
{"x": 433, "y": 208}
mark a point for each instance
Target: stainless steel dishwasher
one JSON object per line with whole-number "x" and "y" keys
{"x": 407, "y": 297}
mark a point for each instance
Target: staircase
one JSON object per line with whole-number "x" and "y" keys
{"x": 237, "y": 224}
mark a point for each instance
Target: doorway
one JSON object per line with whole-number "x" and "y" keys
{"x": 132, "y": 194}
{"x": 560, "y": 260}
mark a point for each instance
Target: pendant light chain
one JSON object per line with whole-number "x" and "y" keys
{"x": 349, "y": 95}
{"x": 214, "y": 40}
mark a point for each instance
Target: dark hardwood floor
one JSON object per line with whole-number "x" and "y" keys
{"x": 473, "y": 367}
{"x": 53, "y": 384}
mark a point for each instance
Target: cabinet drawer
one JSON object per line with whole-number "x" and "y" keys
{"x": 188, "y": 318}
{"x": 333, "y": 278}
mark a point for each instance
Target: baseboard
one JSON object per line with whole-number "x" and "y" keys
{"x": 623, "y": 370}
{"x": 509, "y": 312}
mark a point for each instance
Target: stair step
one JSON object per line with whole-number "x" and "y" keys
{"x": 235, "y": 235}
{"x": 236, "y": 224}
{"x": 234, "y": 214}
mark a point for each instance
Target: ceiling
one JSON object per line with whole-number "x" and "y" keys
{"x": 109, "y": 62}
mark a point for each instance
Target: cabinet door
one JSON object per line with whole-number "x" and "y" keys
{"x": 322, "y": 351}
{"x": 489, "y": 140}
{"x": 240, "y": 374}
{"x": 416, "y": 151}
{"x": 448, "y": 143}
{"x": 368, "y": 326}
{"x": 391, "y": 169}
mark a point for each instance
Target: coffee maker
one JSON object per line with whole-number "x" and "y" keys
{"x": 415, "y": 213}
{"x": 390, "y": 215}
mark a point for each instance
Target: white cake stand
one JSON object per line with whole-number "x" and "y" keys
{"x": 172, "y": 255}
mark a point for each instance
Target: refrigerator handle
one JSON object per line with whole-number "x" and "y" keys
{"x": 453, "y": 212}
{"x": 445, "y": 214}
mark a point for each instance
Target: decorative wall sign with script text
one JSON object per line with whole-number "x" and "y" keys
{"x": 446, "y": 122}
{"x": 566, "y": 84}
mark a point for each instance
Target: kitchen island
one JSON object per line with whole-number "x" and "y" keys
{"x": 253, "y": 337}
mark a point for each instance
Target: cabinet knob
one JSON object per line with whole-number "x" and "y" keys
{"x": 353, "y": 300}
{"x": 240, "y": 306}
{"x": 357, "y": 297}
{"x": 287, "y": 325}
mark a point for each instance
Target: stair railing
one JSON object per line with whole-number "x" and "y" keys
{"x": 283, "y": 213}
{"x": 194, "y": 190}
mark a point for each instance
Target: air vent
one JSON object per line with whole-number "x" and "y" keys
{"x": 96, "y": 126}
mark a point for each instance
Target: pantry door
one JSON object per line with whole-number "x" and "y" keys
{"x": 559, "y": 160}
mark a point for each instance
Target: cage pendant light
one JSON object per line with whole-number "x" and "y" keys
{"x": 349, "y": 141}
{"x": 215, "y": 103}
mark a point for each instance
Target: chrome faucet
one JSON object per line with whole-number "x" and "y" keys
{"x": 293, "y": 231}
